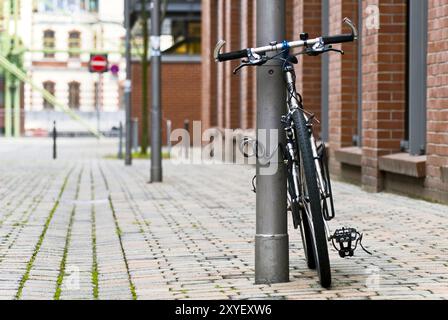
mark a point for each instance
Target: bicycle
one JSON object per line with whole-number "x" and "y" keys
{"x": 310, "y": 197}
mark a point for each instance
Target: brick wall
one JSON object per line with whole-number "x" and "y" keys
{"x": 232, "y": 89}
{"x": 437, "y": 99}
{"x": 384, "y": 70}
{"x": 235, "y": 22}
{"x": 181, "y": 94}
{"x": 247, "y": 77}
{"x": 209, "y": 67}
{"x": 343, "y": 81}
{"x": 307, "y": 18}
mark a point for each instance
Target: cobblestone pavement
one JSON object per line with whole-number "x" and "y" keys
{"x": 85, "y": 227}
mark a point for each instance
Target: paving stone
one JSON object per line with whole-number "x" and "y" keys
{"x": 191, "y": 237}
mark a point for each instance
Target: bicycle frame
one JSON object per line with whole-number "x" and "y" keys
{"x": 294, "y": 106}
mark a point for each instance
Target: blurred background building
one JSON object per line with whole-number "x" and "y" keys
{"x": 58, "y": 37}
{"x": 61, "y": 36}
{"x": 181, "y": 62}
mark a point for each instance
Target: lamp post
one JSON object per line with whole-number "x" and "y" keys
{"x": 271, "y": 240}
{"x": 156, "y": 114}
{"x": 128, "y": 84}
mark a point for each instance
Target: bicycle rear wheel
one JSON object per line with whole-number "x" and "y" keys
{"x": 307, "y": 241}
{"x": 301, "y": 221}
{"x": 311, "y": 199}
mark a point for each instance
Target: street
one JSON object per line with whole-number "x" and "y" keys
{"x": 84, "y": 226}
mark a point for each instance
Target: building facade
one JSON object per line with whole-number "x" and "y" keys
{"x": 383, "y": 105}
{"x": 181, "y": 73}
{"x": 60, "y": 36}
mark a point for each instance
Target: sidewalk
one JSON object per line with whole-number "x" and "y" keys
{"x": 84, "y": 227}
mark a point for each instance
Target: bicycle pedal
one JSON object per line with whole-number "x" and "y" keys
{"x": 345, "y": 241}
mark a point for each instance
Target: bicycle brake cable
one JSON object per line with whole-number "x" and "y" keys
{"x": 254, "y": 188}
{"x": 360, "y": 243}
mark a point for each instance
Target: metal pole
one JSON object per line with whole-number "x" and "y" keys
{"x": 120, "y": 141}
{"x": 8, "y": 105}
{"x": 127, "y": 86}
{"x": 168, "y": 136}
{"x": 156, "y": 114}
{"x": 271, "y": 239}
{"x": 324, "y": 74}
{"x": 187, "y": 141}
{"x": 8, "y": 76}
{"x": 97, "y": 106}
{"x": 135, "y": 142}
{"x": 13, "y": 101}
{"x": 55, "y": 134}
{"x": 15, "y": 83}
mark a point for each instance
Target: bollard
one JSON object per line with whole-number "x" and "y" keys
{"x": 55, "y": 134}
{"x": 120, "y": 141}
{"x": 134, "y": 127}
{"x": 168, "y": 137}
{"x": 187, "y": 141}
{"x": 187, "y": 125}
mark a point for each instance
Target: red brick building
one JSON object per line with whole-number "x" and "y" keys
{"x": 181, "y": 84}
{"x": 181, "y": 64}
{"x": 383, "y": 105}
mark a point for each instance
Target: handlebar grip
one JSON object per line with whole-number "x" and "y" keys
{"x": 338, "y": 38}
{"x": 233, "y": 55}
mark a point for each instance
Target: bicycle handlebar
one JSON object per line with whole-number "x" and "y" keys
{"x": 325, "y": 40}
{"x": 342, "y": 37}
{"x": 337, "y": 39}
{"x": 232, "y": 55}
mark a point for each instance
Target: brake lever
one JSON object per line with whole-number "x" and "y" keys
{"x": 335, "y": 50}
{"x": 245, "y": 63}
{"x": 248, "y": 63}
{"x": 313, "y": 52}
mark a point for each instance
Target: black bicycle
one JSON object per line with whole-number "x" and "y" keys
{"x": 310, "y": 198}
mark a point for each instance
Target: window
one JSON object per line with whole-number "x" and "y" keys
{"x": 415, "y": 135}
{"x": 49, "y": 44}
{"x": 50, "y": 87}
{"x": 74, "y": 95}
{"x": 185, "y": 36}
{"x": 65, "y": 6}
{"x": 48, "y": 5}
{"x": 72, "y": 5}
{"x": 93, "y": 5}
{"x": 74, "y": 43}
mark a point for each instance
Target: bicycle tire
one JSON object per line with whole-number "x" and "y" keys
{"x": 307, "y": 241}
{"x": 302, "y": 225}
{"x": 319, "y": 239}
